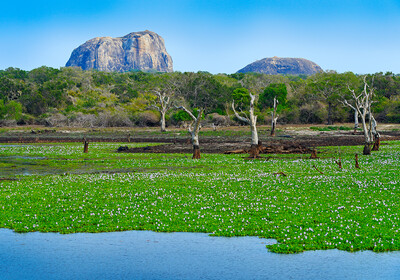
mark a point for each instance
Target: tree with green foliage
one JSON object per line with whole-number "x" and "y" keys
{"x": 242, "y": 95}
{"x": 326, "y": 85}
{"x": 273, "y": 97}
{"x": 12, "y": 110}
{"x": 266, "y": 99}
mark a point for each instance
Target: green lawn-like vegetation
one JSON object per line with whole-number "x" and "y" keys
{"x": 224, "y": 195}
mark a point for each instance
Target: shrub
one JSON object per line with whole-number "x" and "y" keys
{"x": 313, "y": 113}
{"x": 82, "y": 120}
{"x": 113, "y": 119}
{"x": 57, "y": 120}
{"x": 217, "y": 119}
{"x": 11, "y": 110}
{"x": 180, "y": 116}
{"x": 290, "y": 115}
{"x": 146, "y": 118}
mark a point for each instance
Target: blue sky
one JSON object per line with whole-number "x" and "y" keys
{"x": 216, "y": 36}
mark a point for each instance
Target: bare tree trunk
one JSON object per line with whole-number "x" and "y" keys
{"x": 274, "y": 117}
{"x": 194, "y": 131}
{"x": 195, "y": 136}
{"x": 355, "y": 121}
{"x": 164, "y": 105}
{"x": 365, "y": 130}
{"x": 363, "y": 104}
{"x": 375, "y": 134}
{"x": 254, "y": 148}
{"x": 367, "y": 139}
{"x": 252, "y": 121}
{"x": 162, "y": 120}
{"x": 330, "y": 122}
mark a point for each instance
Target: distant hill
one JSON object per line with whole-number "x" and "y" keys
{"x": 282, "y": 65}
{"x": 136, "y": 51}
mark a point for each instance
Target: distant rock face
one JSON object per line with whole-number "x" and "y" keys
{"x": 136, "y": 51}
{"x": 282, "y": 65}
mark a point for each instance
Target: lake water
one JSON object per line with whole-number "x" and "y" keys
{"x": 150, "y": 255}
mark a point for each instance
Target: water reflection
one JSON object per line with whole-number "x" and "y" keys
{"x": 150, "y": 255}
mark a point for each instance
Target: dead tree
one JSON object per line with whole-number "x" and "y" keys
{"x": 274, "y": 117}
{"x": 356, "y": 125}
{"x": 162, "y": 106}
{"x": 252, "y": 121}
{"x": 194, "y": 129}
{"x": 362, "y": 103}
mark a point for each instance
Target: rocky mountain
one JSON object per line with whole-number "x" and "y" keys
{"x": 136, "y": 51}
{"x": 282, "y": 65}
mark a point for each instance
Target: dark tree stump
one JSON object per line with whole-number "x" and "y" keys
{"x": 196, "y": 152}
{"x": 339, "y": 163}
{"x": 367, "y": 149}
{"x": 254, "y": 151}
{"x": 356, "y": 158}
{"x": 377, "y": 143}
{"x": 314, "y": 154}
{"x": 86, "y": 147}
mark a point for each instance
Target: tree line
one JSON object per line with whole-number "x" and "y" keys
{"x": 71, "y": 97}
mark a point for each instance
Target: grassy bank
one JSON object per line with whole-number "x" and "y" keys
{"x": 225, "y": 195}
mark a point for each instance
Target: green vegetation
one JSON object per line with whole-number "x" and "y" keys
{"x": 71, "y": 97}
{"x": 224, "y": 195}
{"x": 330, "y": 128}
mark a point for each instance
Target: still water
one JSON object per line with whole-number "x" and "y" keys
{"x": 150, "y": 255}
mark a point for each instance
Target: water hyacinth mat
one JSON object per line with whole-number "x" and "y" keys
{"x": 58, "y": 188}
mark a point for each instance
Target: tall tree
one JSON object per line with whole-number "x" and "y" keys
{"x": 327, "y": 86}
{"x": 362, "y": 103}
{"x": 243, "y": 96}
{"x": 273, "y": 95}
{"x": 200, "y": 90}
{"x": 163, "y": 87}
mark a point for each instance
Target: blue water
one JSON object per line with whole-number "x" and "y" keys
{"x": 150, "y": 255}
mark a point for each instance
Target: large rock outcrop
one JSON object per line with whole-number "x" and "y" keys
{"x": 136, "y": 51}
{"x": 282, "y": 65}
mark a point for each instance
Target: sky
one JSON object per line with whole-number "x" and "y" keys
{"x": 218, "y": 36}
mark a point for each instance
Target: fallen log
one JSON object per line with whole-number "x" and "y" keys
{"x": 240, "y": 151}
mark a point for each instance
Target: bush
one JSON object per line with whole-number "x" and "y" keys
{"x": 11, "y": 110}
{"x": 180, "y": 116}
{"x": 313, "y": 113}
{"x": 82, "y": 120}
{"x": 26, "y": 119}
{"x": 392, "y": 112}
{"x": 290, "y": 116}
{"x": 57, "y": 120}
{"x": 146, "y": 118}
{"x": 217, "y": 119}
{"x": 113, "y": 119}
